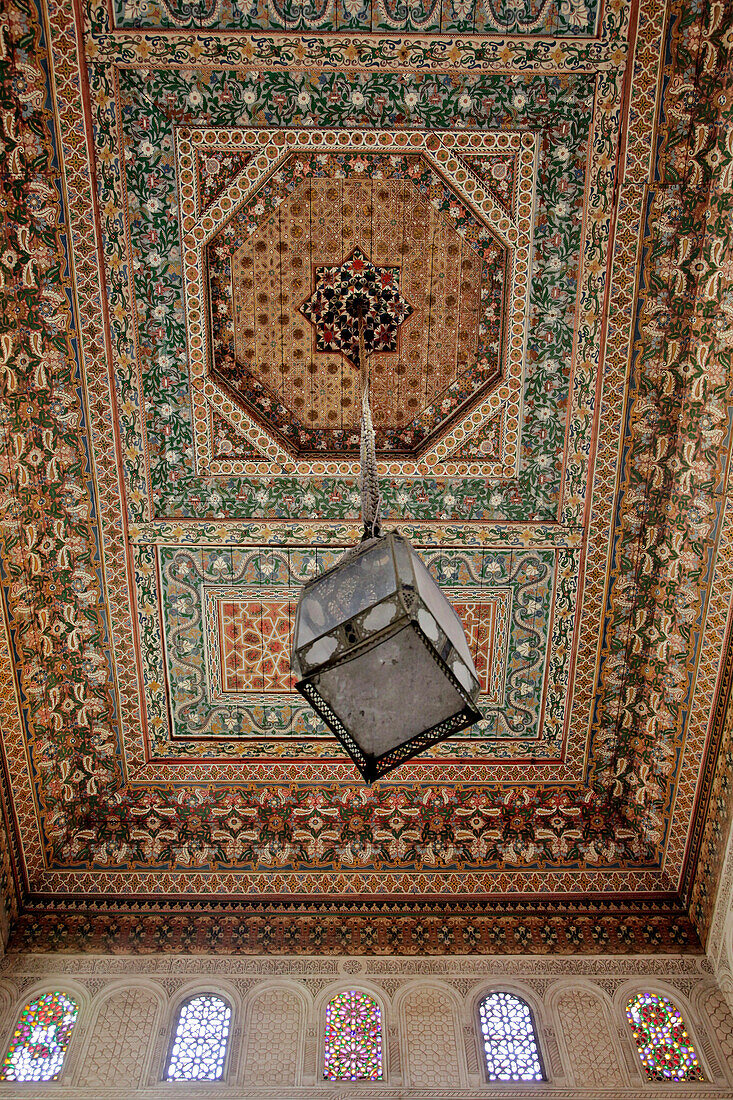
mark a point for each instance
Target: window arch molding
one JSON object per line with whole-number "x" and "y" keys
{"x": 305, "y": 999}
{"x": 78, "y": 993}
{"x": 8, "y": 995}
{"x": 96, "y": 1004}
{"x": 359, "y": 985}
{"x": 713, "y": 1056}
{"x": 537, "y": 1017}
{"x": 218, "y": 987}
{"x": 574, "y": 984}
{"x": 414, "y": 988}
{"x": 629, "y": 989}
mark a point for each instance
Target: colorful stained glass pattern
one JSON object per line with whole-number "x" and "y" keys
{"x": 40, "y": 1039}
{"x": 510, "y": 1043}
{"x": 665, "y": 1048}
{"x": 353, "y": 1038}
{"x": 200, "y": 1045}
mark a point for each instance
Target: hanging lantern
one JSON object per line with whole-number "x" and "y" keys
{"x": 378, "y": 651}
{"x": 382, "y": 656}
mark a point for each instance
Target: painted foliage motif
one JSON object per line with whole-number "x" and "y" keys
{"x": 52, "y": 547}
{"x": 558, "y": 108}
{"x": 557, "y": 17}
{"x": 225, "y": 605}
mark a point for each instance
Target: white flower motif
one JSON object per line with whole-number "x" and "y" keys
{"x": 562, "y": 209}
{"x": 304, "y": 100}
{"x": 411, "y": 99}
{"x": 146, "y": 148}
{"x": 195, "y": 98}
{"x": 519, "y": 101}
{"x": 249, "y": 96}
{"x": 465, "y": 102}
{"x": 357, "y": 97}
{"x": 562, "y": 153}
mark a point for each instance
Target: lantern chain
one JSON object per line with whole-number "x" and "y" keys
{"x": 371, "y": 499}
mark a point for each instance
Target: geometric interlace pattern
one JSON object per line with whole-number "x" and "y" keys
{"x": 200, "y": 1045}
{"x": 353, "y": 1038}
{"x": 38, "y": 1046}
{"x": 665, "y": 1048}
{"x": 510, "y": 1044}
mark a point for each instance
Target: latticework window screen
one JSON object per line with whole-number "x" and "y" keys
{"x": 200, "y": 1043}
{"x": 510, "y": 1045}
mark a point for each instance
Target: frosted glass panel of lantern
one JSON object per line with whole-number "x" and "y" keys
{"x": 510, "y": 1044}
{"x": 353, "y": 1042}
{"x": 443, "y": 612}
{"x": 200, "y": 1043}
{"x": 383, "y": 710}
{"x": 38, "y": 1046}
{"x": 351, "y": 587}
{"x": 665, "y": 1048}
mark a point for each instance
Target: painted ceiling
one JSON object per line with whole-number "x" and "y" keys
{"x": 529, "y": 204}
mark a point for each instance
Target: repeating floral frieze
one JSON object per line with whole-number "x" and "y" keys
{"x": 79, "y": 763}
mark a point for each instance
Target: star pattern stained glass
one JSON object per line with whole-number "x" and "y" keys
{"x": 200, "y": 1044}
{"x": 353, "y": 1038}
{"x": 41, "y": 1036}
{"x": 510, "y": 1043}
{"x": 665, "y": 1048}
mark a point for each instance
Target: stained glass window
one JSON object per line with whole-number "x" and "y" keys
{"x": 200, "y": 1043}
{"x": 665, "y": 1048}
{"x": 353, "y": 1038}
{"x": 510, "y": 1043}
{"x": 41, "y": 1036}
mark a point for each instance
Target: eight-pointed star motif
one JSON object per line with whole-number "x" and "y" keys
{"x": 354, "y": 290}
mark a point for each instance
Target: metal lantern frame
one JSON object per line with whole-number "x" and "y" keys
{"x": 380, "y": 606}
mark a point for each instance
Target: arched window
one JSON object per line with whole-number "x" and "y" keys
{"x": 41, "y": 1036}
{"x": 353, "y": 1038}
{"x": 665, "y": 1048}
{"x": 200, "y": 1043}
{"x": 510, "y": 1043}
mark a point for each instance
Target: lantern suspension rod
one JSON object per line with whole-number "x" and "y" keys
{"x": 371, "y": 500}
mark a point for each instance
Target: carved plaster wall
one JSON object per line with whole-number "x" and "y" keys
{"x": 432, "y": 1047}
{"x": 720, "y": 940}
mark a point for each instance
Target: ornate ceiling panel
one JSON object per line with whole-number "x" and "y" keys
{"x": 195, "y": 224}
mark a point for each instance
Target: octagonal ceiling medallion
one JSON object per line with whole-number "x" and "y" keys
{"x": 427, "y": 236}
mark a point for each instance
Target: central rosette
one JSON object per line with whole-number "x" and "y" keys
{"x": 335, "y": 241}
{"x": 353, "y": 293}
